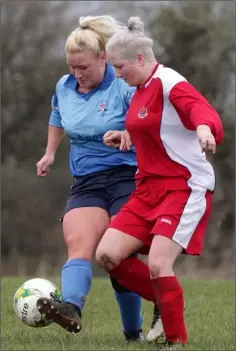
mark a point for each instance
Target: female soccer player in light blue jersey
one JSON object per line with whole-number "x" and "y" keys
{"x": 87, "y": 103}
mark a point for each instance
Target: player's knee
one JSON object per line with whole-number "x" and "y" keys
{"x": 72, "y": 240}
{"x": 105, "y": 259}
{"x": 77, "y": 247}
{"x": 160, "y": 266}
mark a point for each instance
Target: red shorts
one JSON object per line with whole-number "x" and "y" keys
{"x": 153, "y": 209}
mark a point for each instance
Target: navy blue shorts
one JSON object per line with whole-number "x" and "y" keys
{"x": 109, "y": 189}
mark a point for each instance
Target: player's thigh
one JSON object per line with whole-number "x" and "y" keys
{"x": 126, "y": 235}
{"x": 83, "y": 228}
{"x": 163, "y": 253}
{"x": 116, "y": 246}
{"x": 134, "y": 253}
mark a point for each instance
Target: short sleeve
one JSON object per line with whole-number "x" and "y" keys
{"x": 55, "y": 117}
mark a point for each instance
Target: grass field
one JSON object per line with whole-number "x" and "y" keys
{"x": 210, "y": 315}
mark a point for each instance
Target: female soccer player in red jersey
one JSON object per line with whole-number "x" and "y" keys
{"x": 171, "y": 126}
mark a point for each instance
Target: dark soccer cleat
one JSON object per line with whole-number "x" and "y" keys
{"x": 134, "y": 336}
{"x": 156, "y": 330}
{"x": 63, "y": 314}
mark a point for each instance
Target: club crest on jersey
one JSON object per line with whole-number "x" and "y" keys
{"x": 102, "y": 107}
{"x": 143, "y": 112}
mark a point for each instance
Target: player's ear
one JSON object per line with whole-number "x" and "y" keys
{"x": 140, "y": 59}
{"x": 103, "y": 57}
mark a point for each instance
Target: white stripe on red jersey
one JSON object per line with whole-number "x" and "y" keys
{"x": 162, "y": 121}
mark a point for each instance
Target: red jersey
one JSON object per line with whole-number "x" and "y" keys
{"x": 162, "y": 120}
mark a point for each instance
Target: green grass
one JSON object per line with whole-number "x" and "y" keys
{"x": 209, "y": 318}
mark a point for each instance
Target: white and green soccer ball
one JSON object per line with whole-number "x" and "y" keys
{"x": 25, "y": 300}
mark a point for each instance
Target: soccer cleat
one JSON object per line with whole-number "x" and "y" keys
{"x": 134, "y": 336}
{"x": 63, "y": 314}
{"x": 156, "y": 330}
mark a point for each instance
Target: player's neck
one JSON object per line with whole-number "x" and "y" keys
{"x": 148, "y": 71}
{"x": 150, "y": 66}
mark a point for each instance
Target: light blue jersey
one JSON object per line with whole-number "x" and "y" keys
{"x": 85, "y": 118}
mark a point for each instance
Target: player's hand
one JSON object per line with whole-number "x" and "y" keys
{"x": 119, "y": 139}
{"x": 43, "y": 166}
{"x": 126, "y": 142}
{"x": 206, "y": 138}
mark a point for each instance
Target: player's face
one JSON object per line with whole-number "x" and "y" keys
{"x": 129, "y": 70}
{"x": 87, "y": 68}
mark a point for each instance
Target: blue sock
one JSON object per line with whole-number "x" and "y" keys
{"x": 76, "y": 279}
{"x": 130, "y": 310}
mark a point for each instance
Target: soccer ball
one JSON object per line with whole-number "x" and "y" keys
{"x": 25, "y": 300}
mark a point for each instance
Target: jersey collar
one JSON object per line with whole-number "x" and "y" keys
{"x": 145, "y": 84}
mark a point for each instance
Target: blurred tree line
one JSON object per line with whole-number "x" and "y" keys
{"x": 195, "y": 38}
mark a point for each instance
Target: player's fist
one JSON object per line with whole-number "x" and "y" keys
{"x": 115, "y": 138}
{"x": 43, "y": 166}
{"x": 206, "y": 138}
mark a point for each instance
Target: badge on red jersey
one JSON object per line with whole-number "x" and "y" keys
{"x": 143, "y": 112}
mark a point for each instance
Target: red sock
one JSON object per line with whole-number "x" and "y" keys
{"x": 171, "y": 303}
{"x": 134, "y": 275}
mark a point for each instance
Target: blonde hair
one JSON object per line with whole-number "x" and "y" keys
{"x": 93, "y": 33}
{"x": 130, "y": 41}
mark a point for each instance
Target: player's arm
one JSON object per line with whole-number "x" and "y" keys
{"x": 196, "y": 113}
{"x": 55, "y": 136}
